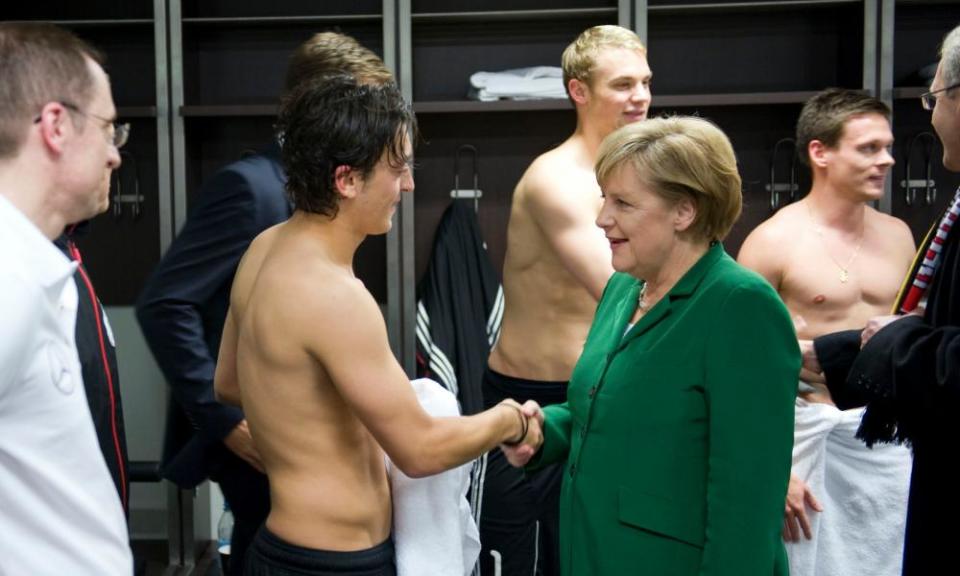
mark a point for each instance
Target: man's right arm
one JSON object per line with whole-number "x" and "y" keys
{"x": 570, "y": 229}
{"x": 192, "y": 277}
{"x": 354, "y": 352}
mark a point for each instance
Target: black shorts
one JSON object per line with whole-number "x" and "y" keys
{"x": 519, "y": 516}
{"x": 270, "y": 556}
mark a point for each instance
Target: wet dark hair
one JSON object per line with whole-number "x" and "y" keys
{"x": 334, "y": 121}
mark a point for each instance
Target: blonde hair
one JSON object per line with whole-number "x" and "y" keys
{"x": 580, "y": 56}
{"x": 680, "y": 157}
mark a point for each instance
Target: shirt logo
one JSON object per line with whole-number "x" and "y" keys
{"x": 59, "y": 370}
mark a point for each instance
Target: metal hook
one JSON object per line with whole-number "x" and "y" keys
{"x": 909, "y": 185}
{"x": 475, "y": 192}
{"x": 119, "y": 198}
{"x": 117, "y": 208}
{"x": 773, "y": 187}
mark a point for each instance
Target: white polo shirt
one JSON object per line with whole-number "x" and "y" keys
{"x": 59, "y": 510}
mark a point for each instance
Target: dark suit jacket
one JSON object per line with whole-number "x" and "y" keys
{"x": 677, "y": 436}
{"x": 184, "y": 305}
{"x": 908, "y": 375}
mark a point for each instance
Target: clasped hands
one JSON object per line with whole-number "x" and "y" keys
{"x": 520, "y": 452}
{"x": 811, "y": 370}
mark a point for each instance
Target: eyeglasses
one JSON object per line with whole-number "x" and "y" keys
{"x": 120, "y": 131}
{"x": 929, "y": 99}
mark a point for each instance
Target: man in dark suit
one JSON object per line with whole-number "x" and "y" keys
{"x": 906, "y": 368}
{"x": 184, "y": 304}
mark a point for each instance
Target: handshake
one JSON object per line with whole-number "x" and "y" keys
{"x": 527, "y": 442}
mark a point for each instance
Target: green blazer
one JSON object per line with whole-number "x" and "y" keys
{"x": 677, "y": 437}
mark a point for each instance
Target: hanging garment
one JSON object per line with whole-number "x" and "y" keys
{"x": 459, "y": 308}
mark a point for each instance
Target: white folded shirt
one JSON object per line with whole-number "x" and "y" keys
{"x": 518, "y": 84}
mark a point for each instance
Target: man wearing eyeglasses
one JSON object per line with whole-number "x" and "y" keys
{"x": 94, "y": 338}
{"x": 60, "y": 511}
{"x": 906, "y": 368}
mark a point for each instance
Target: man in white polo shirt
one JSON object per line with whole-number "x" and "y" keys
{"x": 59, "y": 511}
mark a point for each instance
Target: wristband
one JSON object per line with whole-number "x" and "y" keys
{"x": 524, "y": 427}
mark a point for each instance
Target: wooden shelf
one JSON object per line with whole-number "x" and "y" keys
{"x": 924, "y": 2}
{"x": 220, "y": 110}
{"x": 136, "y": 112}
{"x": 907, "y": 92}
{"x": 275, "y": 20}
{"x": 746, "y": 5}
{"x": 511, "y": 15}
{"x": 95, "y": 23}
{"x": 441, "y": 107}
{"x": 546, "y": 104}
{"x": 731, "y": 99}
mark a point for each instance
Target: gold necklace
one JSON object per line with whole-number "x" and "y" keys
{"x": 845, "y": 268}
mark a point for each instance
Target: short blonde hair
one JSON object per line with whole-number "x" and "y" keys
{"x": 680, "y": 157}
{"x": 580, "y": 56}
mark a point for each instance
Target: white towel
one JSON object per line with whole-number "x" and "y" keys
{"x": 518, "y": 84}
{"x": 433, "y": 529}
{"x": 863, "y": 492}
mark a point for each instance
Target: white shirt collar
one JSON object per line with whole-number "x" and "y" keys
{"x": 37, "y": 253}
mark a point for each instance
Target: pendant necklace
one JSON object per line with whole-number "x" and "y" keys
{"x": 641, "y": 303}
{"x": 844, "y": 268}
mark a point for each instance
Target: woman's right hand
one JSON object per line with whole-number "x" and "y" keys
{"x": 795, "y": 517}
{"x": 519, "y": 455}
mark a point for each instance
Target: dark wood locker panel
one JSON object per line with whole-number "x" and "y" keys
{"x": 451, "y": 41}
{"x": 234, "y": 64}
{"x": 121, "y": 246}
{"x": 506, "y": 143}
{"x": 782, "y": 48}
{"x": 919, "y": 28}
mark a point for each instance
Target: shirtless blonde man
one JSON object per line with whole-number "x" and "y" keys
{"x": 556, "y": 267}
{"x": 305, "y": 348}
{"x": 837, "y": 263}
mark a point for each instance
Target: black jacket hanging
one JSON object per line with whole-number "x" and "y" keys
{"x": 459, "y": 307}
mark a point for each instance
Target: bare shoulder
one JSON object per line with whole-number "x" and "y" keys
{"x": 889, "y": 225}
{"x": 892, "y": 232}
{"x": 771, "y": 234}
{"x": 249, "y": 266}
{"x": 559, "y": 179}
{"x": 328, "y": 292}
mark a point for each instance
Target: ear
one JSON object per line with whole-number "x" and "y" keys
{"x": 817, "y": 152}
{"x": 579, "y": 91}
{"x": 685, "y": 214}
{"x": 347, "y": 181}
{"x": 55, "y": 127}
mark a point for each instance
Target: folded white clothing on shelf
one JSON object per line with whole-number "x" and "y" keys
{"x": 518, "y": 84}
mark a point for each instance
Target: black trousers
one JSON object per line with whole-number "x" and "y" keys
{"x": 520, "y": 512}
{"x": 271, "y": 556}
{"x": 247, "y": 492}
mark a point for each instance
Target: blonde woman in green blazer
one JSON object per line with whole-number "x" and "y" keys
{"x": 678, "y": 426}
